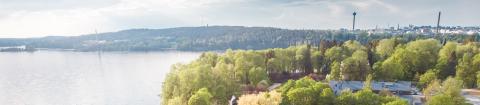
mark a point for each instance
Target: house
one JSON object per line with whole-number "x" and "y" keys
{"x": 403, "y": 89}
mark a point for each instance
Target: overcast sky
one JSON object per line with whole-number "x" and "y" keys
{"x": 36, "y": 18}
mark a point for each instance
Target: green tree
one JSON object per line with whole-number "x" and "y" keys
{"x": 226, "y": 83}
{"x": 355, "y": 67}
{"x": 447, "y": 60}
{"x": 301, "y": 96}
{"x": 304, "y": 82}
{"x": 465, "y": 71}
{"x": 441, "y": 99}
{"x": 424, "y": 55}
{"x": 412, "y": 59}
{"x": 427, "y": 78}
{"x": 432, "y": 89}
{"x": 390, "y": 70}
{"x": 368, "y": 82}
{"x": 367, "y": 97}
{"x": 176, "y": 101}
{"x": 335, "y": 54}
{"x": 353, "y": 46}
{"x": 346, "y": 97}
{"x": 385, "y": 48}
{"x": 201, "y": 97}
{"x": 209, "y": 58}
{"x": 263, "y": 98}
{"x": 335, "y": 73}
{"x": 318, "y": 62}
{"x": 242, "y": 68}
{"x": 397, "y": 102}
{"x": 452, "y": 88}
{"x": 448, "y": 93}
{"x": 478, "y": 80}
{"x": 327, "y": 97}
{"x": 257, "y": 74}
{"x": 303, "y": 57}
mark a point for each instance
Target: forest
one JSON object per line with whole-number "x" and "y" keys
{"x": 439, "y": 68}
{"x": 206, "y": 39}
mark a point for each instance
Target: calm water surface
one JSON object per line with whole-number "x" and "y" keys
{"x": 85, "y": 78}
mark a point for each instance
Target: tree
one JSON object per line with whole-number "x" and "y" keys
{"x": 452, "y": 88}
{"x": 176, "y": 101}
{"x": 335, "y": 54}
{"x": 476, "y": 68}
{"x": 303, "y": 56}
{"x": 184, "y": 79}
{"x": 242, "y": 68}
{"x": 201, "y": 97}
{"x": 465, "y": 71}
{"x": 432, "y": 89}
{"x": 424, "y": 55}
{"x": 327, "y": 97}
{"x": 335, "y": 73}
{"x": 318, "y": 62}
{"x": 263, "y": 98}
{"x": 301, "y": 96}
{"x": 284, "y": 59}
{"x": 367, "y": 97}
{"x": 225, "y": 80}
{"x": 187, "y": 78}
{"x": 390, "y": 70}
{"x": 304, "y": 82}
{"x": 427, "y": 78}
{"x": 306, "y": 91}
{"x": 257, "y": 74}
{"x": 385, "y": 48}
{"x": 368, "y": 82}
{"x": 448, "y": 93}
{"x": 412, "y": 59}
{"x": 397, "y": 102}
{"x": 447, "y": 60}
{"x": 441, "y": 99}
{"x": 209, "y": 58}
{"x": 346, "y": 97}
{"x": 466, "y": 48}
{"x": 353, "y": 46}
{"x": 355, "y": 67}
{"x": 478, "y": 80}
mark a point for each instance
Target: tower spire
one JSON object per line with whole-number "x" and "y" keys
{"x": 353, "y": 27}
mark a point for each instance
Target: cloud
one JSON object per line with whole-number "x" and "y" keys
{"x": 40, "y": 5}
{"x": 27, "y": 18}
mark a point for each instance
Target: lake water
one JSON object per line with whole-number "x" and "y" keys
{"x": 85, "y": 78}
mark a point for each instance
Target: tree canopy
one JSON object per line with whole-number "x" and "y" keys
{"x": 237, "y": 72}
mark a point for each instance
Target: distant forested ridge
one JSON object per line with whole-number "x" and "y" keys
{"x": 201, "y": 39}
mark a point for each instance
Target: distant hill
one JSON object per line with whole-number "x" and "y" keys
{"x": 189, "y": 39}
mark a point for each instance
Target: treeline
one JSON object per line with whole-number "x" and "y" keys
{"x": 206, "y": 39}
{"x": 426, "y": 61}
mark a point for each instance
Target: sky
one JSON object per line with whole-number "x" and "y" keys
{"x": 38, "y": 18}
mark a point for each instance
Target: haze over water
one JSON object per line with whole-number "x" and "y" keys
{"x": 67, "y": 78}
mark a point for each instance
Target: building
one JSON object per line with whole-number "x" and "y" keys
{"x": 403, "y": 89}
